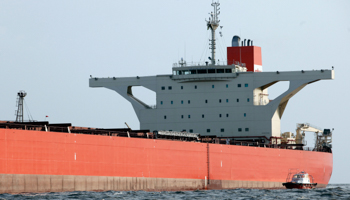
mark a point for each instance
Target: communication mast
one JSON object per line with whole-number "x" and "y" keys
{"x": 213, "y": 24}
{"x": 20, "y": 100}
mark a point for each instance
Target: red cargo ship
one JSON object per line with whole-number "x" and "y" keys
{"x": 40, "y": 157}
{"x": 43, "y": 157}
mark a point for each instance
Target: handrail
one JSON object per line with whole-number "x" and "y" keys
{"x": 206, "y": 63}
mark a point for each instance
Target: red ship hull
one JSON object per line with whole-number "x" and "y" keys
{"x": 37, "y": 161}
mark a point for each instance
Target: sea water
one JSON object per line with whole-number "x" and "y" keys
{"x": 333, "y": 191}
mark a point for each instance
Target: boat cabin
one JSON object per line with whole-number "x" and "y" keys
{"x": 302, "y": 177}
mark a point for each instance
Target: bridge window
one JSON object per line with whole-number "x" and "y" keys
{"x": 186, "y": 72}
{"x": 239, "y": 85}
{"x": 239, "y": 129}
{"x": 220, "y": 71}
{"x": 163, "y": 88}
{"x": 202, "y": 71}
{"x": 228, "y": 70}
{"x": 211, "y": 71}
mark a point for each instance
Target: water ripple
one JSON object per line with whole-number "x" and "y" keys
{"x": 333, "y": 191}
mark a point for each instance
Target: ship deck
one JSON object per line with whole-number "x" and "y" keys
{"x": 252, "y": 141}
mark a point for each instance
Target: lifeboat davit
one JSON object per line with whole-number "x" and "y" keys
{"x": 301, "y": 180}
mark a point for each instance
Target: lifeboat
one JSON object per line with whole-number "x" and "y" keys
{"x": 301, "y": 180}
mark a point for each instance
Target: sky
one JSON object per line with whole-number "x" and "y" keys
{"x": 50, "y": 49}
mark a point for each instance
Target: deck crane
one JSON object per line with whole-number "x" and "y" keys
{"x": 323, "y": 139}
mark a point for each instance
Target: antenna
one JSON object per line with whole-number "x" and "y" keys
{"x": 185, "y": 51}
{"x": 213, "y": 24}
{"x": 20, "y": 98}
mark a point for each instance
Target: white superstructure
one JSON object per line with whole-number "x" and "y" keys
{"x": 223, "y": 104}
{"x": 211, "y": 99}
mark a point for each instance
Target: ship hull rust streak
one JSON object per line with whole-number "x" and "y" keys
{"x": 37, "y": 161}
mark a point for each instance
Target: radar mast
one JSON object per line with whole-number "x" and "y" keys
{"x": 213, "y": 24}
{"x": 20, "y": 100}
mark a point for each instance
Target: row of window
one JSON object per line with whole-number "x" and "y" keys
{"x": 220, "y": 115}
{"x": 221, "y": 130}
{"x": 206, "y": 101}
{"x": 213, "y": 86}
{"x": 204, "y": 71}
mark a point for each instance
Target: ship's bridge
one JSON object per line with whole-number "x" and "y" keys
{"x": 183, "y": 71}
{"x": 209, "y": 69}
